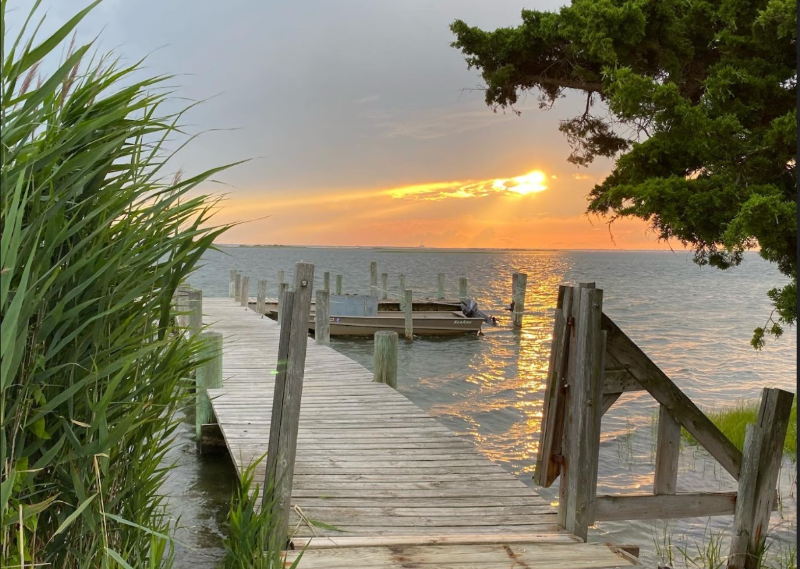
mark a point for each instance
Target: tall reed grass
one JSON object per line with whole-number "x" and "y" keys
{"x": 96, "y": 236}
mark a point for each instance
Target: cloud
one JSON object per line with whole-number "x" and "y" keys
{"x": 530, "y": 183}
{"x": 368, "y": 99}
{"x": 440, "y": 123}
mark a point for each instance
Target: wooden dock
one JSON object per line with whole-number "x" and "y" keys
{"x": 377, "y": 481}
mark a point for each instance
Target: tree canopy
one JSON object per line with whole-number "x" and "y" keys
{"x": 696, "y": 101}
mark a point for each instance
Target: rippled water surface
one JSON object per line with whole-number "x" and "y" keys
{"x": 694, "y": 322}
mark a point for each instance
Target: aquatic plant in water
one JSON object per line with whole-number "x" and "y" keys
{"x": 96, "y": 237}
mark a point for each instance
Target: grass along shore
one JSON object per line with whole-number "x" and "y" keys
{"x": 732, "y": 421}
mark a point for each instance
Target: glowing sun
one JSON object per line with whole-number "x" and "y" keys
{"x": 529, "y": 183}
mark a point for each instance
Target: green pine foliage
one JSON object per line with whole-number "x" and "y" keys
{"x": 96, "y": 237}
{"x": 702, "y": 121}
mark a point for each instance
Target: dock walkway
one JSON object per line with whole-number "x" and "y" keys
{"x": 378, "y": 482}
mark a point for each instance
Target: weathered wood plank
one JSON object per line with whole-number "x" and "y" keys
{"x": 649, "y": 506}
{"x": 286, "y": 418}
{"x": 371, "y": 541}
{"x": 773, "y": 420}
{"x": 743, "y": 517}
{"x": 464, "y": 556}
{"x": 668, "y": 449}
{"x": 586, "y": 390}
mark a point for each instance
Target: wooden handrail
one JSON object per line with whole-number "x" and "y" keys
{"x": 592, "y": 362}
{"x": 663, "y": 390}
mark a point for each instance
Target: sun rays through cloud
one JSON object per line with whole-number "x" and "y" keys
{"x": 526, "y": 184}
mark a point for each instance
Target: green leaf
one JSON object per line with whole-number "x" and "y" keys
{"x": 39, "y": 429}
{"x": 74, "y": 515}
{"x": 44, "y": 48}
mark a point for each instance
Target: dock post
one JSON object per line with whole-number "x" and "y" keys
{"x": 440, "y": 282}
{"x": 408, "y": 306}
{"x": 386, "y": 358}
{"x": 207, "y": 376}
{"x": 182, "y": 305}
{"x": 338, "y": 284}
{"x": 232, "y": 284}
{"x": 280, "y": 280}
{"x": 237, "y": 286}
{"x": 401, "y": 297}
{"x": 322, "y": 321}
{"x": 384, "y": 286}
{"x": 519, "y": 285}
{"x": 261, "y": 298}
{"x": 194, "y": 301}
{"x": 285, "y": 418}
{"x": 282, "y": 288}
{"x": 463, "y": 289}
{"x": 668, "y": 450}
{"x": 326, "y": 281}
{"x": 584, "y": 410}
{"x": 761, "y": 463}
{"x": 373, "y": 278}
{"x": 244, "y": 298}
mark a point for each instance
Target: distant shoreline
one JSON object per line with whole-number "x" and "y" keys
{"x": 443, "y": 249}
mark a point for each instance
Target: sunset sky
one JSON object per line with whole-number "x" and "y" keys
{"x": 359, "y": 123}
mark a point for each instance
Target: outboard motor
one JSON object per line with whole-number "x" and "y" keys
{"x": 470, "y": 309}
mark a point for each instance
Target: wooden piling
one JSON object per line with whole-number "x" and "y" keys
{"x": 322, "y": 321}
{"x": 386, "y": 357}
{"x": 280, "y": 280}
{"x": 519, "y": 286}
{"x": 745, "y": 498}
{"x": 584, "y": 413}
{"x": 373, "y": 278}
{"x": 232, "y": 284}
{"x": 261, "y": 298}
{"x": 195, "y": 307}
{"x": 244, "y": 297}
{"x": 338, "y": 284}
{"x": 384, "y": 286}
{"x": 182, "y": 305}
{"x": 440, "y": 282}
{"x": 668, "y": 449}
{"x": 326, "y": 281}
{"x": 284, "y": 421}
{"x": 401, "y": 296}
{"x": 463, "y": 288}
{"x": 757, "y": 489}
{"x": 282, "y": 288}
{"x": 408, "y": 306}
{"x": 207, "y": 376}
{"x": 237, "y": 286}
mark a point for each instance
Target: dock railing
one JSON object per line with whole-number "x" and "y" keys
{"x": 592, "y": 363}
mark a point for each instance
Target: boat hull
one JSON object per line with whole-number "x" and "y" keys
{"x": 424, "y": 324}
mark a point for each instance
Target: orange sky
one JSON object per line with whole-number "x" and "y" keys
{"x": 524, "y": 209}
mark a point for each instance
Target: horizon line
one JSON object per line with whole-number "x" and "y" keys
{"x": 417, "y": 248}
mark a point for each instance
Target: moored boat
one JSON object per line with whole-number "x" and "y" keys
{"x": 433, "y": 323}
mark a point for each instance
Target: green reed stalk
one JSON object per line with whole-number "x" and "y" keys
{"x": 248, "y": 544}
{"x": 95, "y": 240}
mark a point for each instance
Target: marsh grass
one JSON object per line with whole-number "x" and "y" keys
{"x": 733, "y": 420}
{"x": 96, "y": 237}
{"x": 248, "y": 544}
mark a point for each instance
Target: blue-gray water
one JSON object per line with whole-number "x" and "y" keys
{"x": 694, "y": 322}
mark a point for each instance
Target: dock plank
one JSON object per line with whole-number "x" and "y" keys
{"x": 377, "y": 468}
